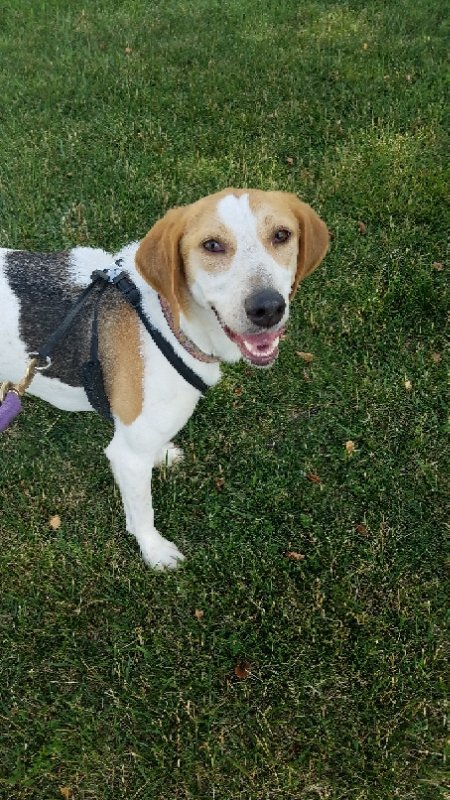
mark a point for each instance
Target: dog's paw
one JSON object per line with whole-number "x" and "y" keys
{"x": 169, "y": 455}
{"x": 160, "y": 554}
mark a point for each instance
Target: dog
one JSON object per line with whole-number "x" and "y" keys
{"x": 216, "y": 279}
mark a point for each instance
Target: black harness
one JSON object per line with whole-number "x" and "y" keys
{"x": 92, "y": 374}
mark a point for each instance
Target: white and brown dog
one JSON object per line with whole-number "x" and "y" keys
{"x": 216, "y": 279}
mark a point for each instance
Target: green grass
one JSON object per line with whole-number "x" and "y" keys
{"x": 110, "y": 685}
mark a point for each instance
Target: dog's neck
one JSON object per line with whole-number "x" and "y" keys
{"x": 184, "y": 339}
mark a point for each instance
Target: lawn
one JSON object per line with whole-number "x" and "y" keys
{"x": 248, "y": 674}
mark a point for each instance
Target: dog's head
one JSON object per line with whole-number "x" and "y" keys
{"x": 240, "y": 253}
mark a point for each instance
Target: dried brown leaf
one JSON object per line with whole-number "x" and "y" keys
{"x": 313, "y": 477}
{"x": 361, "y": 528}
{"x": 293, "y": 556}
{"x": 438, "y": 266}
{"x": 199, "y": 614}
{"x": 436, "y": 358}
{"x": 362, "y": 227}
{"x": 55, "y": 522}
{"x": 308, "y": 357}
{"x": 350, "y": 447}
{"x": 243, "y": 670}
{"x": 66, "y": 792}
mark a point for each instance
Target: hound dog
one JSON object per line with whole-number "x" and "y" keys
{"x": 216, "y": 279}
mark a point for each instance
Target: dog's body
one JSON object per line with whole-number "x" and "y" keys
{"x": 215, "y": 277}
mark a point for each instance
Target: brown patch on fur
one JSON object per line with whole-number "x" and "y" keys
{"x": 271, "y": 216}
{"x": 122, "y": 361}
{"x": 206, "y": 226}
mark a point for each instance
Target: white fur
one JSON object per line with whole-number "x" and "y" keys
{"x": 168, "y": 399}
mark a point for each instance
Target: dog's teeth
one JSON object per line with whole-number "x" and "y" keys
{"x": 254, "y": 350}
{"x": 267, "y": 349}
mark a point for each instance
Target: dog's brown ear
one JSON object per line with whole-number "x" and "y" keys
{"x": 159, "y": 260}
{"x": 314, "y": 240}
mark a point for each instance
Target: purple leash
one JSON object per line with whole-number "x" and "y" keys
{"x": 10, "y": 393}
{"x": 9, "y": 409}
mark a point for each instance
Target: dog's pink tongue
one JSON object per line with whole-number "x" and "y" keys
{"x": 260, "y": 348}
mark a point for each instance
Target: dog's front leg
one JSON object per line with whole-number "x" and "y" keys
{"x": 132, "y": 470}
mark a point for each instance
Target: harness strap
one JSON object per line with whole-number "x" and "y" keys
{"x": 92, "y": 372}
{"x": 61, "y": 330}
{"x": 132, "y": 295}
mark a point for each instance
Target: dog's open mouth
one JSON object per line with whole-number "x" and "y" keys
{"x": 260, "y": 349}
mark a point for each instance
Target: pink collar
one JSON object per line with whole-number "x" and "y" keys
{"x": 184, "y": 340}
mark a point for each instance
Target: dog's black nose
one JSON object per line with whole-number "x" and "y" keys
{"x": 265, "y": 307}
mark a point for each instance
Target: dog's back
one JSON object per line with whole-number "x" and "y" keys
{"x": 36, "y": 292}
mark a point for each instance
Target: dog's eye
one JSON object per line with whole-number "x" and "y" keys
{"x": 213, "y": 246}
{"x": 280, "y": 236}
